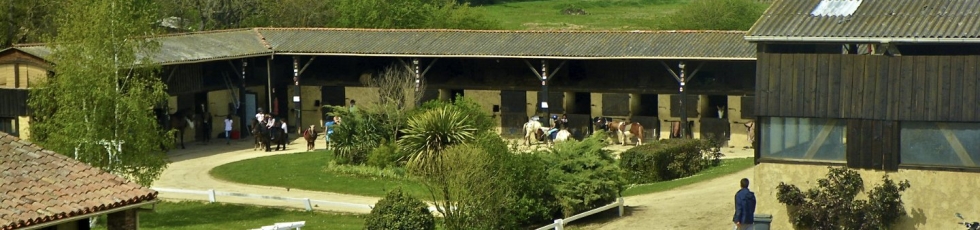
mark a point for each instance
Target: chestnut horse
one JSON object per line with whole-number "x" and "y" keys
{"x": 310, "y": 136}
{"x": 624, "y": 131}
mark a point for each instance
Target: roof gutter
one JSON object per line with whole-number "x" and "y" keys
{"x": 520, "y": 56}
{"x": 859, "y": 39}
{"x": 193, "y": 61}
{"x": 99, "y": 213}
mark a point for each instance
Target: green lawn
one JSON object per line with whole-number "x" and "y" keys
{"x": 600, "y": 14}
{"x": 306, "y": 170}
{"x": 204, "y": 216}
{"x": 728, "y": 166}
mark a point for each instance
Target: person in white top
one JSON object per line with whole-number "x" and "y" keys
{"x": 285, "y": 132}
{"x": 260, "y": 116}
{"x": 228, "y": 122}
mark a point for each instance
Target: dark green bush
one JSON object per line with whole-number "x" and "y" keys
{"x": 357, "y": 135}
{"x": 831, "y": 205}
{"x": 400, "y": 211}
{"x": 386, "y": 155}
{"x": 584, "y": 175}
{"x": 533, "y": 200}
{"x": 668, "y": 159}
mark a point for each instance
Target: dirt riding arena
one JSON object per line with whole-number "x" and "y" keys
{"x": 706, "y": 205}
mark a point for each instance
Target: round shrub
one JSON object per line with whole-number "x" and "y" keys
{"x": 386, "y": 155}
{"x": 400, "y": 211}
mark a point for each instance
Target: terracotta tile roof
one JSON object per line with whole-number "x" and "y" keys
{"x": 38, "y": 186}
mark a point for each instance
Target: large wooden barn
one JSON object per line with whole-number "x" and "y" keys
{"x": 883, "y": 87}
{"x": 625, "y": 75}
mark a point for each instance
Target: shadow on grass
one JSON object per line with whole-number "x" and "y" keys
{"x": 200, "y": 215}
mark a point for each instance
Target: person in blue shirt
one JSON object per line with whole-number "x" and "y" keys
{"x": 744, "y": 207}
{"x": 329, "y": 125}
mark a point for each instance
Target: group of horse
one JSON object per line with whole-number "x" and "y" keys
{"x": 622, "y": 131}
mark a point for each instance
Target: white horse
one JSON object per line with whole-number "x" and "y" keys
{"x": 530, "y": 131}
{"x": 562, "y": 135}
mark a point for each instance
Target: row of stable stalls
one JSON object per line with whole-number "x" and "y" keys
{"x": 623, "y": 75}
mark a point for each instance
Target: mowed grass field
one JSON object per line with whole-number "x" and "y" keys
{"x": 599, "y": 14}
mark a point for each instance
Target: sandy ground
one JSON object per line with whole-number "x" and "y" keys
{"x": 706, "y": 205}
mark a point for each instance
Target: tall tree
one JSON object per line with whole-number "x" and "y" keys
{"x": 209, "y": 14}
{"x": 26, "y": 21}
{"x": 98, "y": 105}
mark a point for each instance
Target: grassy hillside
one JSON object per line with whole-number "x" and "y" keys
{"x": 599, "y": 14}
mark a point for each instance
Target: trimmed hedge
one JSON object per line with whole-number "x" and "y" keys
{"x": 398, "y": 210}
{"x": 667, "y": 160}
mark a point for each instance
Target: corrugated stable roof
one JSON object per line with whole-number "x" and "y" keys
{"x": 513, "y": 44}
{"x": 39, "y": 186}
{"x": 200, "y": 47}
{"x": 233, "y": 44}
{"x": 906, "y": 21}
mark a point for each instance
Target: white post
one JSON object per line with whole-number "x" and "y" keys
{"x": 211, "y": 195}
{"x": 559, "y": 224}
{"x": 621, "y": 206}
{"x": 309, "y": 206}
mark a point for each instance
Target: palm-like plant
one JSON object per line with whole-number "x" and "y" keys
{"x": 431, "y": 132}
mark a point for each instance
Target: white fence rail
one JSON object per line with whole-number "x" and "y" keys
{"x": 307, "y": 202}
{"x": 560, "y": 223}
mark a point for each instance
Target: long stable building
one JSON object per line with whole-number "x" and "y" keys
{"x": 883, "y": 87}
{"x": 626, "y": 75}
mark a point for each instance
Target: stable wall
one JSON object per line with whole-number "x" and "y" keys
{"x": 218, "y": 101}
{"x": 486, "y": 99}
{"x": 364, "y": 96}
{"x": 740, "y": 134}
{"x": 663, "y": 110}
{"x": 931, "y": 201}
{"x": 310, "y": 112}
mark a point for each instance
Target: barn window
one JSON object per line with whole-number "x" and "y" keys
{"x": 940, "y": 144}
{"x": 803, "y": 139}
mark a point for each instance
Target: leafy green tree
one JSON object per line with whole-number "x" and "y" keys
{"x": 209, "y": 14}
{"x": 716, "y": 15}
{"x": 97, "y": 107}
{"x": 26, "y": 21}
{"x": 292, "y": 13}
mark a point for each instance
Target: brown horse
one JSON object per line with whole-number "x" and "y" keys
{"x": 180, "y": 121}
{"x": 624, "y": 131}
{"x": 310, "y": 136}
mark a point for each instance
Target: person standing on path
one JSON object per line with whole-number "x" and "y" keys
{"x": 285, "y": 132}
{"x": 744, "y": 207}
{"x": 228, "y": 122}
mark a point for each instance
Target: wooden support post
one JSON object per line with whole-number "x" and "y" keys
{"x": 821, "y": 138}
{"x": 956, "y": 144}
{"x": 297, "y": 93}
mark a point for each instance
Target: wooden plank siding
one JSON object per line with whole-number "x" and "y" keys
{"x": 872, "y": 144}
{"x": 875, "y": 87}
